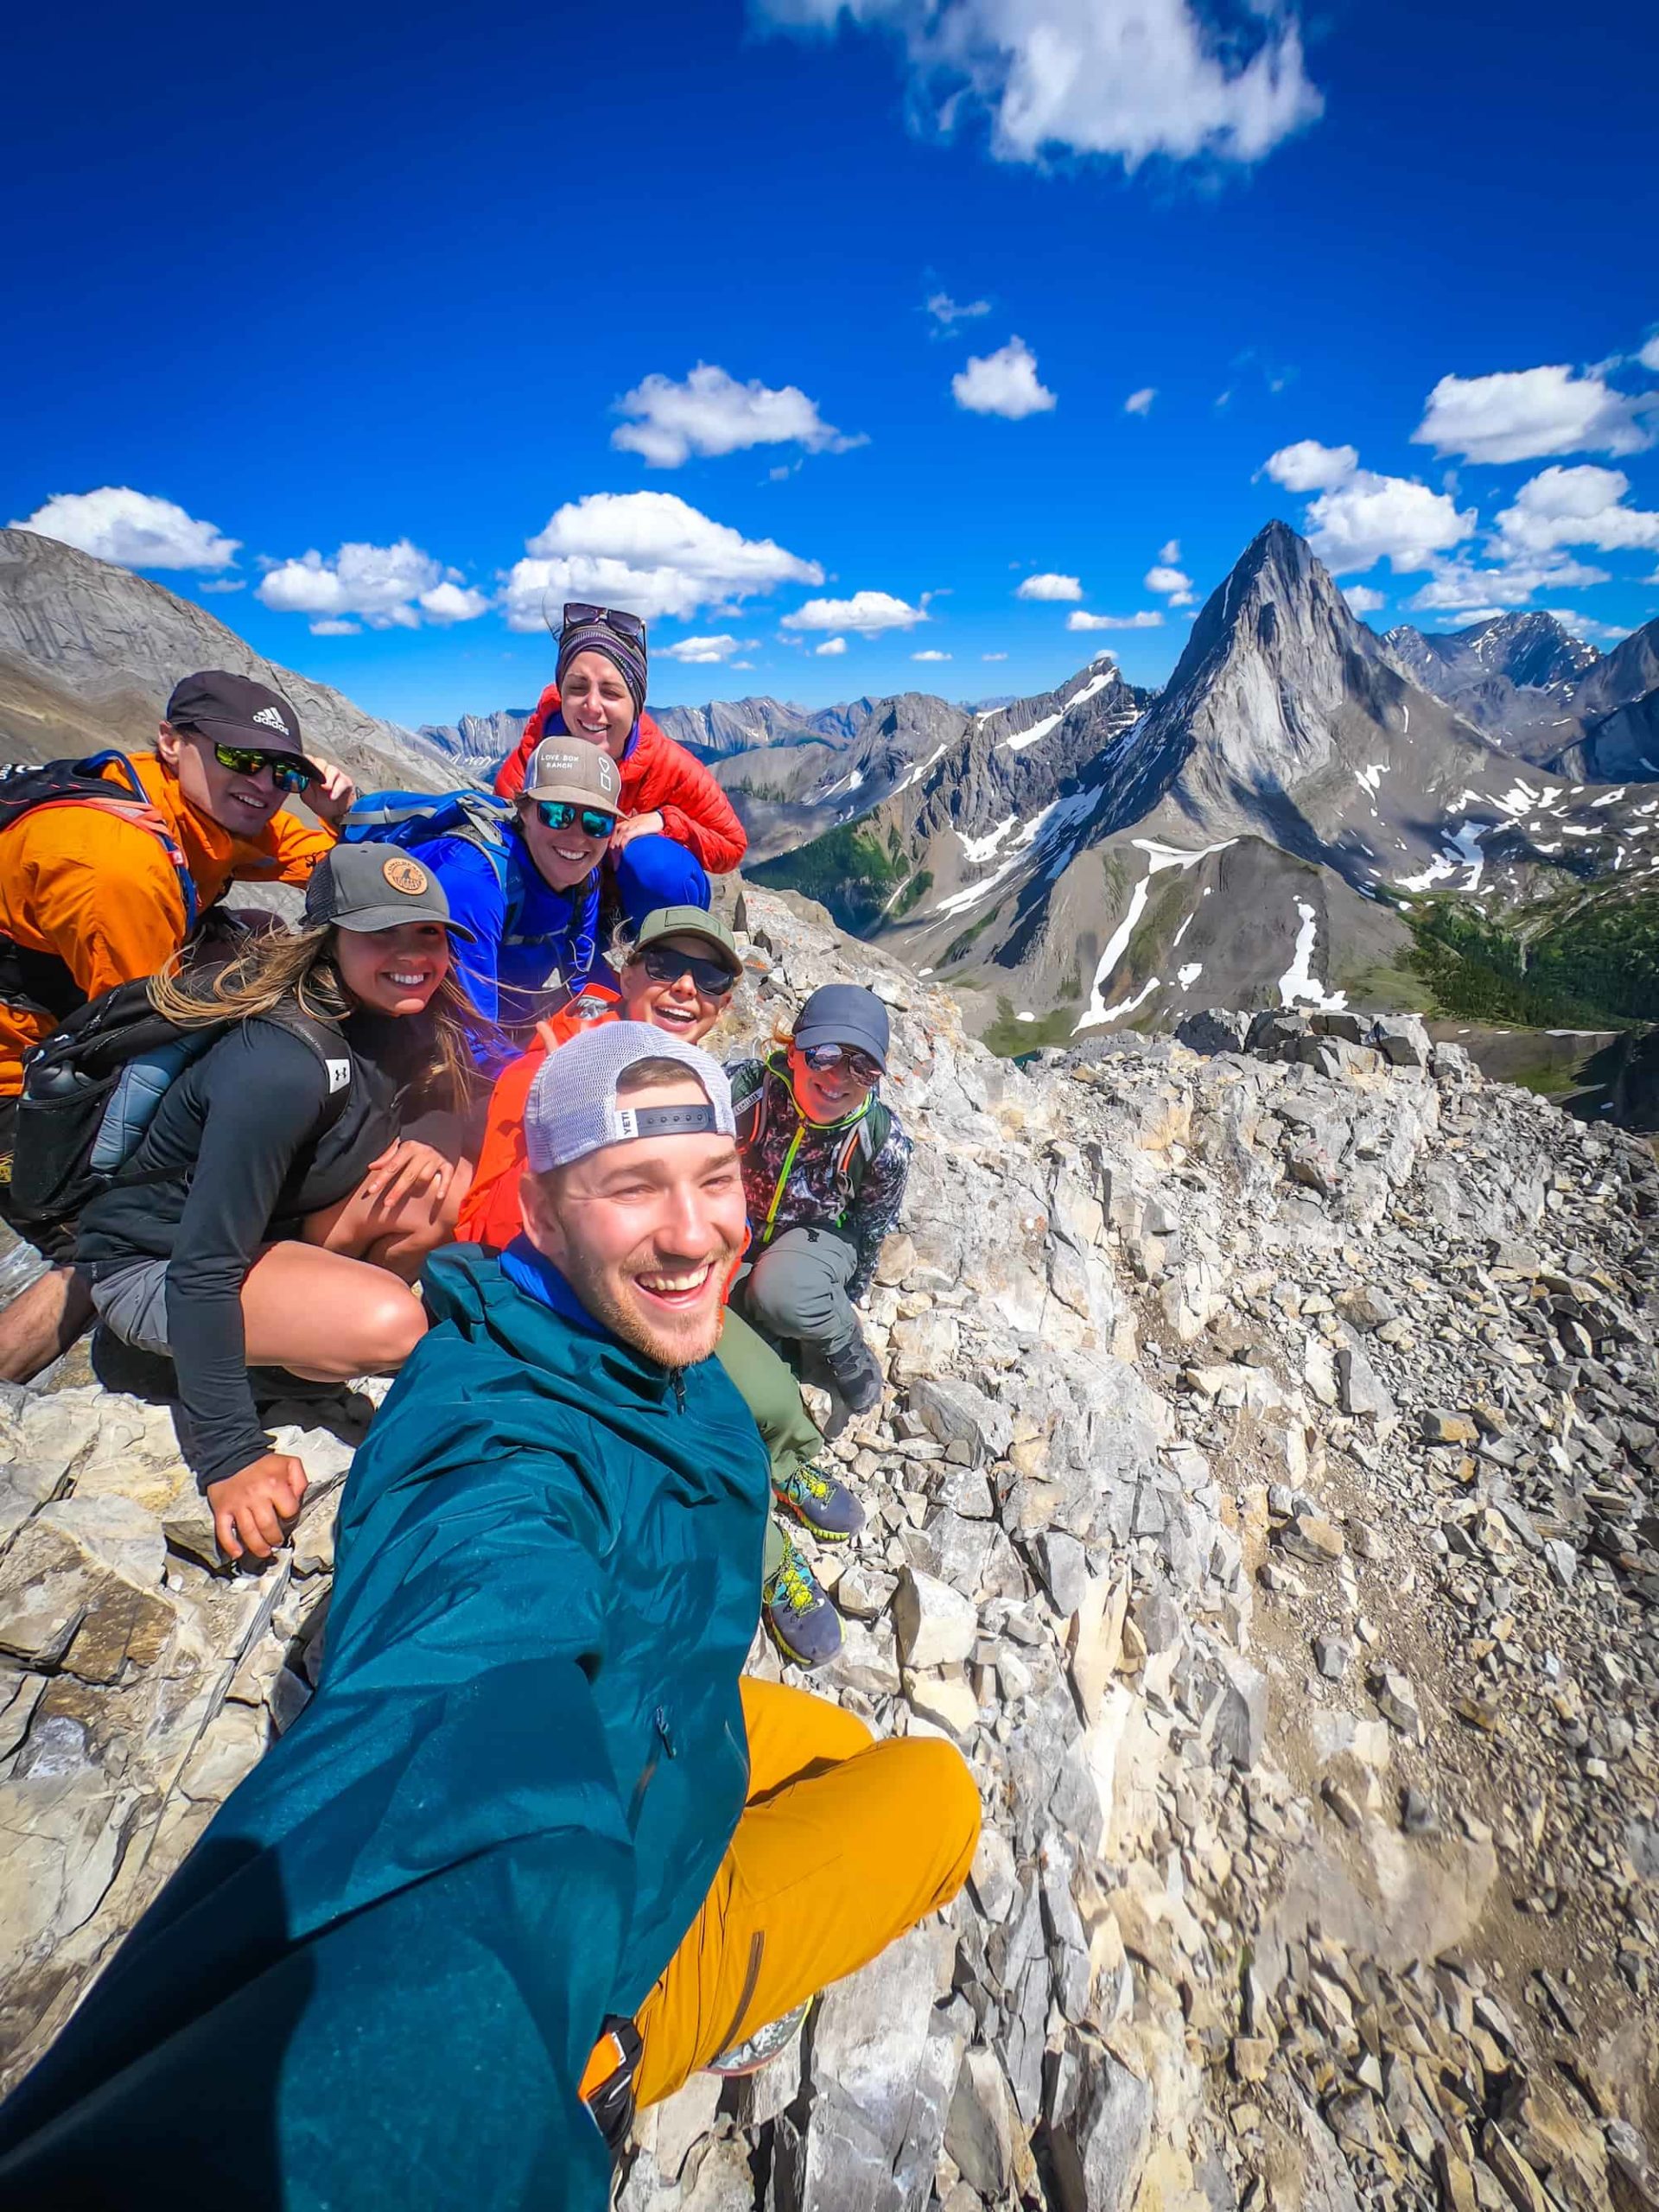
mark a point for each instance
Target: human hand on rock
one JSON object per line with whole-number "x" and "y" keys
{"x": 251, "y": 1507}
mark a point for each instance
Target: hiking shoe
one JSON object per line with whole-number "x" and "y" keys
{"x": 799, "y": 1617}
{"x": 823, "y": 1505}
{"x": 762, "y": 2047}
{"x": 855, "y": 1375}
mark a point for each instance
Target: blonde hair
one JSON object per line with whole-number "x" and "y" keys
{"x": 297, "y": 967}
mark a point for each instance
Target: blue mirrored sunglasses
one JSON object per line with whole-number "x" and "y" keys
{"x": 559, "y": 814}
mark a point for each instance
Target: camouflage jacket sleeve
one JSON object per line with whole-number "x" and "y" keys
{"x": 874, "y": 1215}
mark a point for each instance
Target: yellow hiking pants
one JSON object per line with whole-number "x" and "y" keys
{"x": 844, "y": 1844}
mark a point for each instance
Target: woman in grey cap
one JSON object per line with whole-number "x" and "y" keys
{"x": 271, "y": 1216}
{"x": 825, "y": 1165}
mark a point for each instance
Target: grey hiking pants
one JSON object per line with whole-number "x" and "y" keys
{"x": 796, "y": 1290}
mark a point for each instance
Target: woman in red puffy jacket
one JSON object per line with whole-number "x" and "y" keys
{"x": 676, "y": 826}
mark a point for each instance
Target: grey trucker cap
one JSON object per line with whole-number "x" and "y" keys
{"x": 573, "y": 1109}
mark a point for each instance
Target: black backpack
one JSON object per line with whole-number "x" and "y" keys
{"x": 91, "y": 1089}
{"x": 39, "y": 982}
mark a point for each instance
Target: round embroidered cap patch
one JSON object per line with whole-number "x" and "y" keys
{"x": 405, "y": 875}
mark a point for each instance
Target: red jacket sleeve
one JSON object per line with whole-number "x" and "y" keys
{"x": 696, "y": 812}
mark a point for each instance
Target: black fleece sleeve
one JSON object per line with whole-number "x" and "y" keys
{"x": 266, "y": 1096}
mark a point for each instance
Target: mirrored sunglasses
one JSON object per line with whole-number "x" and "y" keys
{"x": 822, "y": 1057}
{"x": 712, "y": 979}
{"x": 288, "y": 771}
{"x": 578, "y": 614}
{"x": 559, "y": 814}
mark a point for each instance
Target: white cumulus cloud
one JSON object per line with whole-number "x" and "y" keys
{"x": 830, "y": 646}
{"x": 698, "y": 652}
{"x": 1170, "y": 582}
{"x": 712, "y": 413}
{"x": 1370, "y": 518}
{"x": 1148, "y": 619}
{"x": 948, "y": 313}
{"x": 1649, "y": 355}
{"x": 1171, "y": 552}
{"x": 1578, "y": 506}
{"x": 648, "y": 551}
{"x": 1128, "y": 78}
{"x": 931, "y": 654}
{"x": 1525, "y": 414}
{"x": 993, "y": 656}
{"x": 869, "y": 612}
{"x": 1004, "y": 383}
{"x": 1140, "y": 403}
{"x": 450, "y": 601}
{"x": 1048, "y": 586}
{"x": 1309, "y": 467}
{"x": 131, "y": 529}
{"x": 1464, "y": 587}
{"x": 388, "y": 587}
{"x": 333, "y": 626}
{"x": 1361, "y": 600}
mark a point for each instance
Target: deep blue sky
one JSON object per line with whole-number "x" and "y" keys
{"x": 319, "y": 276}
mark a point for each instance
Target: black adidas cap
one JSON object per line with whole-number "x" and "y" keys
{"x": 234, "y": 708}
{"x": 369, "y": 887}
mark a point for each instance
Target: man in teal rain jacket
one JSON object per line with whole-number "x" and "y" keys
{"x": 508, "y": 1823}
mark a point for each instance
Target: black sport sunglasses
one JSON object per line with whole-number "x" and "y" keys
{"x": 289, "y": 772}
{"x": 578, "y": 614}
{"x": 712, "y": 978}
{"x": 822, "y": 1057}
{"x": 559, "y": 814}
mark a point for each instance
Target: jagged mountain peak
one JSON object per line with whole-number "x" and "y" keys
{"x": 1275, "y": 589}
{"x": 1530, "y": 649}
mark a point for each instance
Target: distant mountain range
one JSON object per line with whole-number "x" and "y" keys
{"x": 1282, "y": 822}
{"x": 1307, "y": 813}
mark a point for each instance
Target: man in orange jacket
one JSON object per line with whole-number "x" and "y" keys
{"x": 92, "y": 896}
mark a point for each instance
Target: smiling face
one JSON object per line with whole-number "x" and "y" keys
{"x": 242, "y": 805}
{"x": 596, "y": 704}
{"x": 676, "y": 1006}
{"x": 826, "y": 1095}
{"x": 647, "y": 1232}
{"x": 562, "y": 857}
{"x": 393, "y": 971}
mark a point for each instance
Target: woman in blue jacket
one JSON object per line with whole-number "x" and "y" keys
{"x": 530, "y": 895}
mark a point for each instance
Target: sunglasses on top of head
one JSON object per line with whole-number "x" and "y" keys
{"x": 288, "y": 771}
{"x": 578, "y": 615}
{"x": 713, "y": 979}
{"x": 821, "y": 1058}
{"x": 559, "y": 814}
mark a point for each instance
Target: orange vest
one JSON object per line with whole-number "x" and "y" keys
{"x": 490, "y": 1215}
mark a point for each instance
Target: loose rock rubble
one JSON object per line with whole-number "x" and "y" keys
{"x": 1264, "y": 1502}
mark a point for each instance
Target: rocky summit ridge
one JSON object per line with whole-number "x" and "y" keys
{"x": 1265, "y": 1500}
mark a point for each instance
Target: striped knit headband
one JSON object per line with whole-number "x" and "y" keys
{"x": 627, "y": 658}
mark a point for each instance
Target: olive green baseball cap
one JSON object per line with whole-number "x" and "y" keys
{"x": 690, "y": 921}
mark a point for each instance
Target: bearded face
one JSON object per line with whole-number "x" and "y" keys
{"x": 646, "y": 1232}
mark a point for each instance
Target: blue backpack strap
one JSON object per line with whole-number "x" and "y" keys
{"x": 415, "y": 818}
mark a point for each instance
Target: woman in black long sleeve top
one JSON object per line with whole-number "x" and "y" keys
{"x": 271, "y": 1216}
